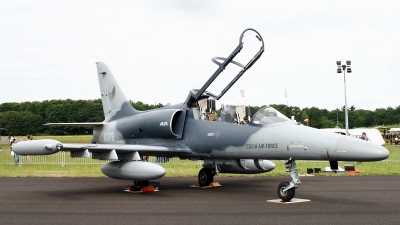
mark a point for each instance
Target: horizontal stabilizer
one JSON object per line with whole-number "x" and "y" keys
{"x": 94, "y": 124}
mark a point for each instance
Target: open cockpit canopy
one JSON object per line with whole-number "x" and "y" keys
{"x": 243, "y": 62}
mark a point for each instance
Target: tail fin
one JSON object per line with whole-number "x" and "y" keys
{"x": 115, "y": 104}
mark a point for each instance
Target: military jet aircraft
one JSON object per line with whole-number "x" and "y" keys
{"x": 237, "y": 140}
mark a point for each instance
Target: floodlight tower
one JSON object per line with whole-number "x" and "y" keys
{"x": 339, "y": 70}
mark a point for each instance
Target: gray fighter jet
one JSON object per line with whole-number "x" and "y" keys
{"x": 237, "y": 140}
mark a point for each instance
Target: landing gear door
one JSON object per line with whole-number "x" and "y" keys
{"x": 253, "y": 38}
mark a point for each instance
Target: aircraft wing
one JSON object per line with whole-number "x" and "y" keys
{"x": 124, "y": 151}
{"x": 124, "y": 148}
{"x": 90, "y": 124}
{"x": 99, "y": 151}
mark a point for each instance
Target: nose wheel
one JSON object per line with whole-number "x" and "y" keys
{"x": 286, "y": 190}
{"x": 285, "y": 195}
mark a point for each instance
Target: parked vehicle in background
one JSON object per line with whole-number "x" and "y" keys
{"x": 373, "y": 135}
{"x": 394, "y": 135}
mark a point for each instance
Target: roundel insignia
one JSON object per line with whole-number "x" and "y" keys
{"x": 111, "y": 92}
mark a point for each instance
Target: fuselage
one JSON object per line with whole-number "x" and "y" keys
{"x": 220, "y": 140}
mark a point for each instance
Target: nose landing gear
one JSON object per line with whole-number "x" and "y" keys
{"x": 286, "y": 190}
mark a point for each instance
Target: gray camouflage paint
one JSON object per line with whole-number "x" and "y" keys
{"x": 219, "y": 140}
{"x": 176, "y": 128}
{"x": 173, "y": 131}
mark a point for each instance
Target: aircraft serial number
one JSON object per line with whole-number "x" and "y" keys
{"x": 108, "y": 136}
{"x": 254, "y": 146}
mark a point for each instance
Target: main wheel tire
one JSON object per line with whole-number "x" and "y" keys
{"x": 205, "y": 177}
{"x": 139, "y": 184}
{"x": 286, "y": 196}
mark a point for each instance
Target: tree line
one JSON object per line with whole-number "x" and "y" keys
{"x": 28, "y": 117}
{"x": 323, "y": 118}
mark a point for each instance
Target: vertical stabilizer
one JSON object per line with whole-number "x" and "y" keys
{"x": 115, "y": 104}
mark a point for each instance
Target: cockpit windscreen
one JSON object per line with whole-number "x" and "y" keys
{"x": 269, "y": 115}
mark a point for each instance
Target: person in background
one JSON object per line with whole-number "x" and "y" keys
{"x": 293, "y": 113}
{"x": 28, "y": 159}
{"x": 395, "y": 138}
{"x": 207, "y": 115}
{"x": 11, "y": 139}
{"x": 194, "y": 105}
{"x": 245, "y": 120}
{"x": 364, "y": 136}
{"x": 16, "y": 156}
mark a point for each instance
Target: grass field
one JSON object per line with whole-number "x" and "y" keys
{"x": 50, "y": 166}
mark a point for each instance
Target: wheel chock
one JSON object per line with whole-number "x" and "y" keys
{"x": 294, "y": 200}
{"x": 213, "y": 184}
{"x": 353, "y": 171}
{"x": 131, "y": 189}
{"x": 148, "y": 189}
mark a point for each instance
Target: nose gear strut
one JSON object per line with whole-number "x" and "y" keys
{"x": 286, "y": 190}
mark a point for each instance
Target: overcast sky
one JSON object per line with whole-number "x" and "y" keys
{"x": 158, "y": 49}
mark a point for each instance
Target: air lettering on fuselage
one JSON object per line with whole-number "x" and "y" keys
{"x": 163, "y": 124}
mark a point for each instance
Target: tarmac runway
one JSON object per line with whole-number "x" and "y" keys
{"x": 334, "y": 200}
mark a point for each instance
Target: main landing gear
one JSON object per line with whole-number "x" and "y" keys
{"x": 206, "y": 175}
{"x": 286, "y": 190}
{"x": 139, "y": 184}
{"x": 144, "y": 186}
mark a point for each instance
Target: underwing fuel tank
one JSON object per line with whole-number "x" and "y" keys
{"x": 133, "y": 170}
{"x": 37, "y": 147}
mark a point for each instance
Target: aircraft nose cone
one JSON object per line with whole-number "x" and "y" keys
{"x": 360, "y": 150}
